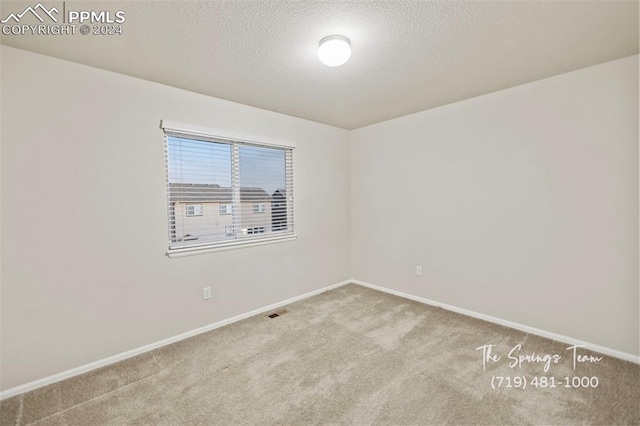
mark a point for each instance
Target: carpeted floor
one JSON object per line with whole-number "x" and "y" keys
{"x": 348, "y": 356}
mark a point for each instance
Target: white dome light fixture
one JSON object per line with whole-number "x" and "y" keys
{"x": 334, "y": 50}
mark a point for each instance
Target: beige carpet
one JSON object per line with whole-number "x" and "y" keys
{"x": 348, "y": 356}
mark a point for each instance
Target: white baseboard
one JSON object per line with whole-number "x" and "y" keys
{"x": 128, "y": 354}
{"x": 525, "y": 328}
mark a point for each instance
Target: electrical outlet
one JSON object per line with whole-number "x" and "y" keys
{"x": 206, "y": 293}
{"x": 419, "y": 271}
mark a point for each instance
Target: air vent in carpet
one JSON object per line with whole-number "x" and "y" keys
{"x": 276, "y": 314}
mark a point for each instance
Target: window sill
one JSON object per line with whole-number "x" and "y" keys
{"x": 191, "y": 251}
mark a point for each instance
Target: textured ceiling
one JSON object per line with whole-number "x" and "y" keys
{"x": 408, "y": 56}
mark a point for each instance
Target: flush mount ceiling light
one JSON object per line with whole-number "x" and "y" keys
{"x": 334, "y": 50}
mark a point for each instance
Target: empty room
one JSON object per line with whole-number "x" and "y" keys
{"x": 306, "y": 212}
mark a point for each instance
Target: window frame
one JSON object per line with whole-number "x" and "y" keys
{"x": 236, "y": 139}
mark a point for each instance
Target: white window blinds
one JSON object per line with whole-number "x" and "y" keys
{"x": 243, "y": 190}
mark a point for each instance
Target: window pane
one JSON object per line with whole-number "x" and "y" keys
{"x": 262, "y": 168}
{"x": 262, "y": 173}
{"x": 198, "y": 171}
{"x": 192, "y": 161}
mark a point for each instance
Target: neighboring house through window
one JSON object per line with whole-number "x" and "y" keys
{"x": 222, "y": 191}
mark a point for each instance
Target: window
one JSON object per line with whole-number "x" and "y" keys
{"x": 208, "y": 170}
{"x": 194, "y": 209}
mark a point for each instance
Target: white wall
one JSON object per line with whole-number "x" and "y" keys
{"x": 521, "y": 204}
{"x": 84, "y": 278}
